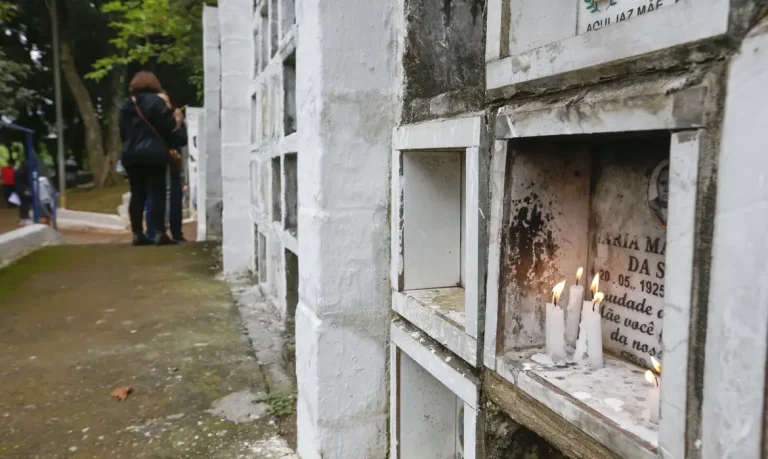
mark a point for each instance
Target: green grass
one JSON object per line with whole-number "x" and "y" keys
{"x": 103, "y": 200}
{"x": 281, "y": 404}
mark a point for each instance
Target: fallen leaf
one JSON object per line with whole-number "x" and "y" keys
{"x": 121, "y": 393}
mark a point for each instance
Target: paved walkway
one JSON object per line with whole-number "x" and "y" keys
{"x": 77, "y": 322}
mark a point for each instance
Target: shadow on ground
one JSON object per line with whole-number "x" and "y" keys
{"x": 77, "y": 322}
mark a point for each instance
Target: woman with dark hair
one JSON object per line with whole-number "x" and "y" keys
{"x": 149, "y": 130}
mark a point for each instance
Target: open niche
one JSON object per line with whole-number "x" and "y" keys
{"x": 439, "y": 185}
{"x": 434, "y": 399}
{"x": 596, "y": 202}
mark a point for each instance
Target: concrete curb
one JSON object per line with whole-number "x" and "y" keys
{"x": 23, "y": 241}
{"x": 75, "y": 219}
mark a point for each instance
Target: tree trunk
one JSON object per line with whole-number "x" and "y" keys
{"x": 94, "y": 145}
{"x": 114, "y": 144}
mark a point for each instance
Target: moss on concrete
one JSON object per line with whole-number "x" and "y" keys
{"x": 77, "y": 322}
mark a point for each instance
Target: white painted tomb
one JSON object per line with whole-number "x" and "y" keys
{"x": 439, "y": 189}
{"x": 434, "y": 408}
{"x": 595, "y": 200}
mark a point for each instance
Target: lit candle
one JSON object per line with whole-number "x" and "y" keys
{"x": 573, "y": 311}
{"x": 555, "y": 326}
{"x": 654, "y": 377}
{"x": 595, "y": 333}
{"x": 581, "y": 344}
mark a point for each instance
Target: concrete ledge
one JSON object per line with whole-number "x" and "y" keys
{"x": 75, "y": 219}
{"x": 23, "y": 241}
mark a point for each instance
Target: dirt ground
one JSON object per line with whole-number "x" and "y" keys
{"x": 77, "y": 322}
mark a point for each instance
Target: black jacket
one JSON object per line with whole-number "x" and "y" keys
{"x": 140, "y": 144}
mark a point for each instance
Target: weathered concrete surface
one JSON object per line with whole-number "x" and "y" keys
{"x": 77, "y": 322}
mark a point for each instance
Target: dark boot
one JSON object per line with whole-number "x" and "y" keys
{"x": 163, "y": 239}
{"x": 180, "y": 240}
{"x": 139, "y": 239}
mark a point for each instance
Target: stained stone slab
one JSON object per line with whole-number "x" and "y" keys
{"x": 609, "y": 404}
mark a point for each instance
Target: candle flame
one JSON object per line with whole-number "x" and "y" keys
{"x": 595, "y": 284}
{"x": 656, "y": 365}
{"x": 651, "y": 378}
{"x": 557, "y": 291}
{"x": 578, "y": 274}
{"x": 598, "y": 297}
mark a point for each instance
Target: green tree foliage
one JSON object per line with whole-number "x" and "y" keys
{"x": 13, "y": 95}
{"x": 161, "y": 31}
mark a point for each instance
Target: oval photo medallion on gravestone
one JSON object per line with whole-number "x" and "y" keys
{"x": 658, "y": 192}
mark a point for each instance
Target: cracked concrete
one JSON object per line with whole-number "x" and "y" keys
{"x": 77, "y": 322}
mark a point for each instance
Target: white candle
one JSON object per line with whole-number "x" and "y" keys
{"x": 555, "y": 326}
{"x": 573, "y": 314}
{"x": 580, "y": 355}
{"x": 653, "y": 396}
{"x": 595, "y": 334}
{"x": 555, "y": 333}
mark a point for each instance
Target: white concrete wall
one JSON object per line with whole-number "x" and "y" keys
{"x": 268, "y": 146}
{"x": 193, "y": 119}
{"x": 212, "y": 143}
{"x": 734, "y": 372}
{"x": 236, "y": 70}
{"x": 346, "y": 111}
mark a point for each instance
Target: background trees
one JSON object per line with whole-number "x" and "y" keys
{"x": 102, "y": 43}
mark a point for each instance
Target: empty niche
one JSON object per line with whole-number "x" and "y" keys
{"x": 291, "y": 194}
{"x": 256, "y": 252}
{"x": 274, "y": 24}
{"x": 254, "y": 183}
{"x": 430, "y": 414}
{"x": 262, "y": 258}
{"x": 254, "y": 118}
{"x": 289, "y": 94}
{"x": 276, "y": 193}
{"x": 257, "y": 58}
{"x": 264, "y": 33}
{"x": 434, "y": 193}
{"x": 291, "y": 288}
{"x": 288, "y": 12}
{"x": 597, "y": 202}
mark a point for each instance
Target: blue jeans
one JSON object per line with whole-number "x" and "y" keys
{"x": 174, "y": 210}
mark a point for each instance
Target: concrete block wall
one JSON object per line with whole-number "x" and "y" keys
{"x": 347, "y": 107}
{"x": 212, "y": 122}
{"x": 236, "y": 71}
{"x": 273, "y": 152}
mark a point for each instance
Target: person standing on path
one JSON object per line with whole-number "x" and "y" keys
{"x": 175, "y": 198}
{"x": 149, "y": 130}
{"x": 8, "y": 173}
{"x": 23, "y": 188}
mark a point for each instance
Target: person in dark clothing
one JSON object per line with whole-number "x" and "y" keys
{"x": 24, "y": 191}
{"x": 148, "y": 129}
{"x": 175, "y": 196}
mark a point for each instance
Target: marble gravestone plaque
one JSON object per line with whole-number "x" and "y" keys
{"x": 628, "y": 243}
{"x": 596, "y": 14}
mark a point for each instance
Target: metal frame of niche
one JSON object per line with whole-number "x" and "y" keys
{"x": 646, "y": 107}
{"x": 703, "y": 18}
{"x": 467, "y": 136}
{"x": 453, "y": 373}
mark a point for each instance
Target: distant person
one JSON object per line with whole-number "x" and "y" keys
{"x": 7, "y": 173}
{"x": 176, "y": 196}
{"x": 70, "y": 174}
{"x": 24, "y": 191}
{"x": 149, "y": 130}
